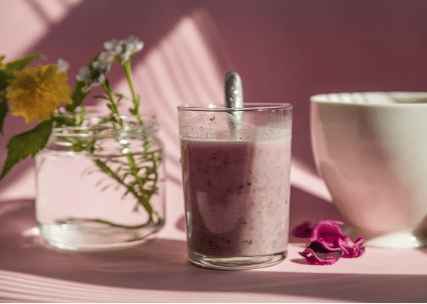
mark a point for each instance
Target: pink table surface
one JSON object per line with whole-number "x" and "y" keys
{"x": 160, "y": 272}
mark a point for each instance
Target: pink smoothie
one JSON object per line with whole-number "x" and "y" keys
{"x": 237, "y": 196}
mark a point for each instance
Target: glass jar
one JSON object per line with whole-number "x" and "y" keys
{"x": 101, "y": 185}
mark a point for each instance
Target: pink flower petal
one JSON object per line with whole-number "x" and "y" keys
{"x": 328, "y": 243}
{"x": 315, "y": 254}
{"x": 352, "y": 249}
{"x": 302, "y": 231}
{"x": 328, "y": 231}
{"x": 329, "y": 234}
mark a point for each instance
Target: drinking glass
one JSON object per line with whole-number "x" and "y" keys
{"x": 236, "y": 168}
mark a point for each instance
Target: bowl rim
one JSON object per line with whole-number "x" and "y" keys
{"x": 401, "y": 98}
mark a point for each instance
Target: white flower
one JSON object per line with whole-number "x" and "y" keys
{"x": 123, "y": 49}
{"x": 104, "y": 61}
{"x": 84, "y": 74}
{"x": 95, "y": 75}
{"x": 91, "y": 77}
{"x": 113, "y": 46}
{"x": 62, "y": 65}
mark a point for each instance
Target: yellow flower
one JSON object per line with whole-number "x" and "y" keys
{"x": 36, "y": 92}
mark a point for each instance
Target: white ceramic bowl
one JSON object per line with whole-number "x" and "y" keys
{"x": 371, "y": 151}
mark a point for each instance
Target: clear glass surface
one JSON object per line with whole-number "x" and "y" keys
{"x": 93, "y": 201}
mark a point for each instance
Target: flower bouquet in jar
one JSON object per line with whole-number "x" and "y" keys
{"x": 99, "y": 178}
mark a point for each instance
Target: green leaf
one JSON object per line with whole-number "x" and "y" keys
{"x": 26, "y": 144}
{"x": 111, "y": 107}
{"x": 3, "y": 111}
{"x": 101, "y": 97}
{"x": 64, "y": 121}
{"x": 122, "y": 96}
{"x": 23, "y": 62}
{"x": 5, "y": 77}
{"x": 133, "y": 111}
{"x": 79, "y": 146}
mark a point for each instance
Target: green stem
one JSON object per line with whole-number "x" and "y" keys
{"x": 131, "y": 162}
{"x": 135, "y": 100}
{"x": 139, "y": 182}
{"x": 114, "y": 106}
{"x": 135, "y": 97}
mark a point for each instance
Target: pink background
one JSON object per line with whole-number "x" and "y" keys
{"x": 285, "y": 51}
